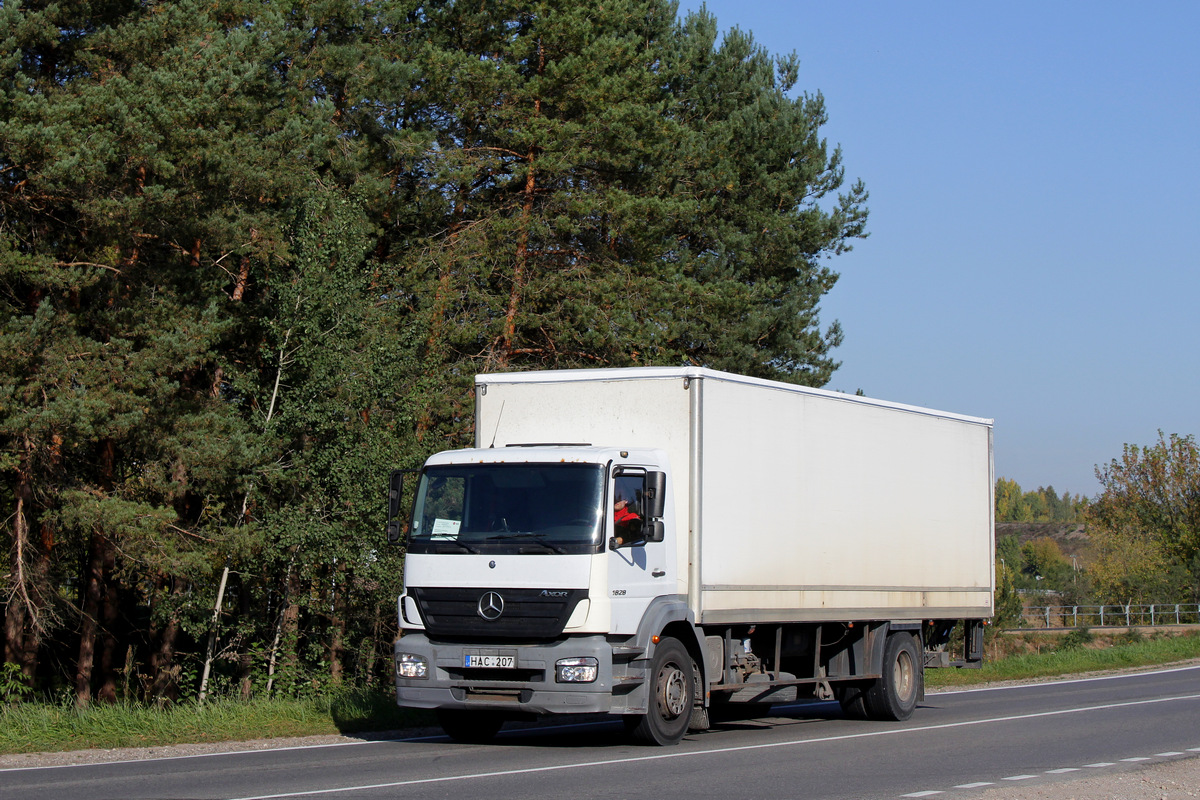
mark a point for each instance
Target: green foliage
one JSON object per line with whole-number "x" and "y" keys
{"x": 13, "y": 687}
{"x": 1008, "y": 550}
{"x": 1008, "y": 604}
{"x": 1044, "y": 559}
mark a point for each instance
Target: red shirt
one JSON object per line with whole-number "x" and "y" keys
{"x": 623, "y": 514}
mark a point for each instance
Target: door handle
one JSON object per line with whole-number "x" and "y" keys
{"x": 658, "y": 573}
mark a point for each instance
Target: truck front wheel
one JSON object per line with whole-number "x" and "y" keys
{"x": 472, "y": 727}
{"x": 894, "y": 696}
{"x": 669, "y": 707}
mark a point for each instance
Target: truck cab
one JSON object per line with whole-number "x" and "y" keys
{"x": 530, "y": 573}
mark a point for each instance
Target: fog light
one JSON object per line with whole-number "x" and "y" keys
{"x": 409, "y": 665}
{"x": 577, "y": 670}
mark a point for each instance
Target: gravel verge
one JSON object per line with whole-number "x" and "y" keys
{"x": 1167, "y": 780}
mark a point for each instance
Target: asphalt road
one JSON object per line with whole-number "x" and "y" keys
{"x": 956, "y": 744}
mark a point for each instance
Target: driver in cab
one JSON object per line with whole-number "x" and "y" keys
{"x": 627, "y": 525}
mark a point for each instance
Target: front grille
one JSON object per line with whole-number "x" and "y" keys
{"x": 529, "y": 614}
{"x": 498, "y": 675}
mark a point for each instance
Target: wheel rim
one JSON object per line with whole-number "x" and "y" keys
{"x": 672, "y": 692}
{"x": 904, "y": 675}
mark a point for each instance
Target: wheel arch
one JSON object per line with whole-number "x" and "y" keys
{"x": 671, "y": 617}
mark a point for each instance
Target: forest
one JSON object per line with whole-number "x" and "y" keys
{"x": 253, "y": 253}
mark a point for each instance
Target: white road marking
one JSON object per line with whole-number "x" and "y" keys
{"x": 976, "y": 785}
{"x": 1101, "y": 764}
{"x": 1168, "y": 754}
{"x": 1019, "y": 777}
{"x": 722, "y": 750}
{"x": 1062, "y": 771}
{"x": 920, "y": 794}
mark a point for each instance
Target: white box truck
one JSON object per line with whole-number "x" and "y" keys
{"x": 663, "y": 543}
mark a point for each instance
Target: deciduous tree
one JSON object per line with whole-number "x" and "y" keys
{"x": 1146, "y": 521}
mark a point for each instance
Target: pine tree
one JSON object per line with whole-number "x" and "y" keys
{"x": 765, "y": 213}
{"x": 612, "y": 190}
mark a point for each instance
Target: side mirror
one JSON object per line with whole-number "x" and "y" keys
{"x": 395, "y": 491}
{"x": 656, "y": 495}
{"x": 653, "y": 531}
{"x": 395, "y": 528}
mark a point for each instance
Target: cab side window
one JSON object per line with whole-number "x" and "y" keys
{"x": 628, "y": 508}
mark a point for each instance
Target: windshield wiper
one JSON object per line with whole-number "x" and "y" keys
{"x": 458, "y": 544}
{"x": 537, "y": 538}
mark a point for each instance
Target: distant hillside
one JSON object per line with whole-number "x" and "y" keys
{"x": 1071, "y": 536}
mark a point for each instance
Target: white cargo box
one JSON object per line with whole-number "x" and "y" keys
{"x": 795, "y": 504}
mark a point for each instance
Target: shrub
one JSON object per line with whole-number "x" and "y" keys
{"x": 1077, "y": 639}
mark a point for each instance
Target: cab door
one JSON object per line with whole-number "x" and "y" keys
{"x": 641, "y": 565}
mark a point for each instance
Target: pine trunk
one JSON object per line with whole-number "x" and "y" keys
{"x": 283, "y": 649}
{"x": 16, "y": 611}
{"x": 521, "y": 262}
{"x": 337, "y": 632}
{"x": 164, "y": 685}
{"x": 93, "y": 589}
{"x": 245, "y": 659}
{"x": 28, "y": 567}
{"x": 109, "y": 649}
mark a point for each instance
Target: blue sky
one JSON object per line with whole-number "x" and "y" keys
{"x": 1034, "y": 170}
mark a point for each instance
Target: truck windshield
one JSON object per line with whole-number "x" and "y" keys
{"x": 508, "y": 508}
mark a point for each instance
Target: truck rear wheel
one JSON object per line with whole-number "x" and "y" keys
{"x": 894, "y": 696}
{"x": 852, "y": 699}
{"x": 471, "y": 727}
{"x": 672, "y": 690}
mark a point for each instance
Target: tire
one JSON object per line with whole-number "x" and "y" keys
{"x": 894, "y": 696}
{"x": 672, "y": 693}
{"x": 469, "y": 727}
{"x": 853, "y": 700}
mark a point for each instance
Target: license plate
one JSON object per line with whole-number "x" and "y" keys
{"x": 491, "y": 662}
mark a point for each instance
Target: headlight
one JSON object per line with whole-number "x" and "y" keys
{"x": 576, "y": 670}
{"x": 409, "y": 665}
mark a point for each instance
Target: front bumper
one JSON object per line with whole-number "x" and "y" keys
{"x": 528, "y": 688}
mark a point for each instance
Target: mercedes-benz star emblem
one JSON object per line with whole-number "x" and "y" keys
{"x": 491, "y": 606}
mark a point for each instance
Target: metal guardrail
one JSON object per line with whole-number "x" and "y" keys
{"x": 1126, "y": 616}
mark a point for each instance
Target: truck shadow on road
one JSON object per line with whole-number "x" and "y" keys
{"x": 606, "y": 732}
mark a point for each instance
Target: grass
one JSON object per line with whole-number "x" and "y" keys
{"x": 1048, "y": 656}
{"x": 39, "y": 727}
